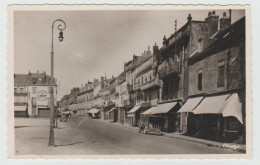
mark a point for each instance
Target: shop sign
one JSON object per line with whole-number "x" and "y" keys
{"x": 42, "y": 95}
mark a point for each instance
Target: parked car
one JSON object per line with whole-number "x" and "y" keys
{"x": 67, "y": 112}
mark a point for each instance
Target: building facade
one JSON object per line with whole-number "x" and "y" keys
{"x": 32, "y": 94}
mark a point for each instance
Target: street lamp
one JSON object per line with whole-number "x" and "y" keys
{"x": 61, "y": 28}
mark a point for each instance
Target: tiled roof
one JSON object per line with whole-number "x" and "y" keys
{"x": 32, "y": 79}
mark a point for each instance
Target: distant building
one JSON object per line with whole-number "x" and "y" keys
{"x": 32, "y": 94}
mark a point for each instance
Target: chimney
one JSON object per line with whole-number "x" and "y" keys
{"x": 102, "y": 82}
{"x": 155, "y": 49}
{"x": 212, "y": 21}
{"x": 224, "y": 21}
{"x": 189, "y": 18}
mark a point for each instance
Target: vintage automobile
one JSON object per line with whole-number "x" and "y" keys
{"x": 149, "y": 127}
{"x": 67, "y": 112}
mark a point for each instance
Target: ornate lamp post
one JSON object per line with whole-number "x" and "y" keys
{"x": 61, "y": 28}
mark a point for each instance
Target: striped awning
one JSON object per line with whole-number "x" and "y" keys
{"x": 164, "y": 108}
{"x": 190, "y": 104}
{"x": 212, "y": 104}
{"x": 133, "y": 110}
{"x": 147, "y": 112}
{"x": 227, "y": 105}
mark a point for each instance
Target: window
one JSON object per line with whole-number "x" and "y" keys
{"x": 34, "y": 90}
{"x": 200, "y": 80}
{"x": 15, "y": 90}
{"x": 221, "y": 69}
{"x": 21, "y": 90}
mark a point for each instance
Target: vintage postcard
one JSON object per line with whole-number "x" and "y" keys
{"x": 129, "y": 81}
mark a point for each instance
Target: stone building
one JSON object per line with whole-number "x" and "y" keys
{"x": 216, "y": 82}
{"x": 32, "y": 94}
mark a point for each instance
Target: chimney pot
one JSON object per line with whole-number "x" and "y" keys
{"x": 164, "y": 38}
{"x": 213, "y": 12}
{"x": 189, "y": 18}
{"x": 209, "y": 13}
{"x": 224, "y": 14}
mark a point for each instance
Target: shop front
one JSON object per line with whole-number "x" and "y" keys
{"x": 219, "y": 118}
{"x": 132, "y": 115}
{"x": 113, "y": 115}
{"x": 20, "y": 111}
{"x": 94, "y": 113}
{"x": 164, "y": 116}
{"x": 186, "y": 113}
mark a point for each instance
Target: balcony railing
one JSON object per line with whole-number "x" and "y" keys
{"x": 170, "y": 69}
{"x": 130, "y": 87}
{"x": 150, "y": 84}
{"x": 137, "y": 86}
{"x": 128, "y": 103}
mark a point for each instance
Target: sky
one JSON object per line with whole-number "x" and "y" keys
{"x": 96, "y": 43}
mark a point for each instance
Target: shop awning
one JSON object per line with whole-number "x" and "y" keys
{"x": 233, "y": 108}
{"x": 227, "y": 105}
{"x": 111, "y": 110}
{"x": 20, "y": 108}
{"x": 164, "y": 108}
{"x": 147, "y": 112}
{"x": 133, "y": 110}
{"x": 212, "y": 104}
{"x": 190, "y": 104}
{"x": 94, "y": 110}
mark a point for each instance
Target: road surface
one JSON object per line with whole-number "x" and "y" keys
{"x": 99, "y": 137}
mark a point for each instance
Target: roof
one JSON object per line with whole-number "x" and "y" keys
{"x": 32, "y": 79}
{"x": 223, "y": 37}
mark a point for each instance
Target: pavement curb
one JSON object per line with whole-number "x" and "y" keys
{"x": 235, "y": 147}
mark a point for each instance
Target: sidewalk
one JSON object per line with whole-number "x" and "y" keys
{"x": 32, "y": 136}
{"x": 176, "y": 135}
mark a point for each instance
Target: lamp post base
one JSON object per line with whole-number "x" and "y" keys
{"x": 51, "y": 139}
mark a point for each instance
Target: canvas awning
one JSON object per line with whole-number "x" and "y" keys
{"x": 233, "y": 108}
{"x": 190, "y": 104}
{"x": 20, "y": 108}
{"x": 133, "y": 110}
{"x": 93, "y": 110}
{"x": 227, "y": 105}
{"x": 212, "y": 104}
{"x": 111, "y": 110}
{"x": 147, "y": 112}
{"x": 164, "y": 108}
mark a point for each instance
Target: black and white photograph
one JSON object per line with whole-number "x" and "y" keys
{"x": 129, "y": 81}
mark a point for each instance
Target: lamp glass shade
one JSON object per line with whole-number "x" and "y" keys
{"x": 61, "y": 36}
